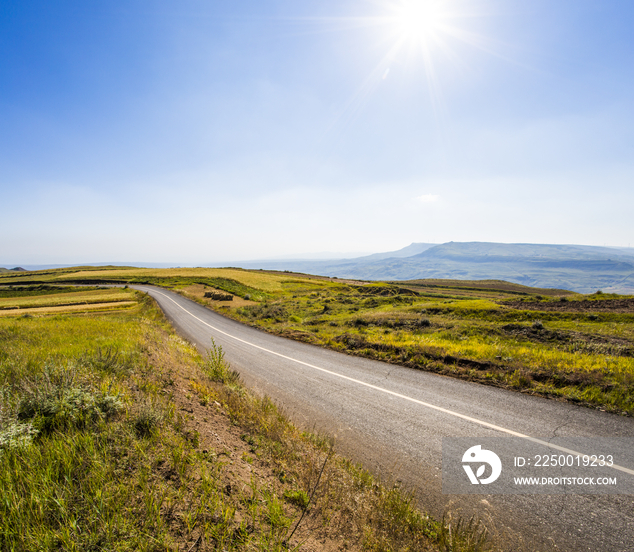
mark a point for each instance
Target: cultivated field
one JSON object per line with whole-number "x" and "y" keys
{"x": 251, "y": 279}
{"x": 52, "y": 299}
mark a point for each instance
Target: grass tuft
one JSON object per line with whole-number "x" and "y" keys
{"x": 463, "y": 536}
{"x": 216, "y": 368}
{"x": 297, "y": 497}
{"x": 148, "y": 419}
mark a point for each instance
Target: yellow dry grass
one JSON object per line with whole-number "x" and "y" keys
{"x": 262, "y": 281}
{"x": 60, "y": 299}
{"x": 69, "y": 308}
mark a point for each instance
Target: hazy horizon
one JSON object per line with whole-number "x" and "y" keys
{"x": 256, "y": 130}
{"x": 227, "y": 262}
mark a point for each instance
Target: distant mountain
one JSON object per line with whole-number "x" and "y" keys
{"x": 487, "y": 251}
{"x": 409, "y": 251}
{"x": 317, "y": 266}
{"x": 16, "y": 269}
{"x": 580, "y": 268}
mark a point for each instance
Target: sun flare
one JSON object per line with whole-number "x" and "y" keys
{"x": 417, "y": 38}
{"x": 419, "y": 19}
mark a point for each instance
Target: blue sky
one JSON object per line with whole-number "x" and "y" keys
{"x": 207, "y": 131}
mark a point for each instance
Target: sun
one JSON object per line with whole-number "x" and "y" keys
{"x": 419, "y": 20}
{"x": 416, "y": 38}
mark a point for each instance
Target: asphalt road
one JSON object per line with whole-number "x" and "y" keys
{"x": 393, "y": 420}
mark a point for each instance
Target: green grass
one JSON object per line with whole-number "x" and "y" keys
{"x": 42, "y": 289}
{"x": 97, "y": 454}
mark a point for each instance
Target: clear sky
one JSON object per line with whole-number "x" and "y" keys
{"x": 205, "y": 131}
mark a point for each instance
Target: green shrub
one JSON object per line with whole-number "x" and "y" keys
{"x": 217, "y": 368}
{"x": 57, "y": 400}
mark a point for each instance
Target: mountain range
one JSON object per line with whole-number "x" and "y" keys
{"x": 579, "y": 268}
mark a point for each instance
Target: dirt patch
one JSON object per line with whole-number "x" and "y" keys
{"x": 384, "y": 291}
{"x": 299, "y": 335}
{"x": 579, "y": 341}
{"x": 585, "y": 305}
{"x": 198, "y": 291}
{"x": 485, "y": 285}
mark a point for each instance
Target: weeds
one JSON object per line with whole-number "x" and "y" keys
{"x": 108, "y": 361}
{"x": 298, "y": 498}
{"x": 148, "y": 419}
{"x": 463, "y": 536}
{"x": 216, "y": 368}
{"x": 56, "y": 400}
{"x": 15, "y": 434}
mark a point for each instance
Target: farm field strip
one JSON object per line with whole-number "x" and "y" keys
{"x": 63, "y": 299}
{"x": 69, "y": 308}
{"x": 265, "y": 282}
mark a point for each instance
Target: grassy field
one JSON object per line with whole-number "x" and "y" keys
{"x": 61, "y": 300}
{"x": 549, "y": 342}
{"x": 115, "y": 434}
{"x": 238, "y": 280}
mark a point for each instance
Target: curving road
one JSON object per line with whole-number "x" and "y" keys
{"x": 393, "y": 420}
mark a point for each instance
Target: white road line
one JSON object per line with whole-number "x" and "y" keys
{"x": 399, "y": 395}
